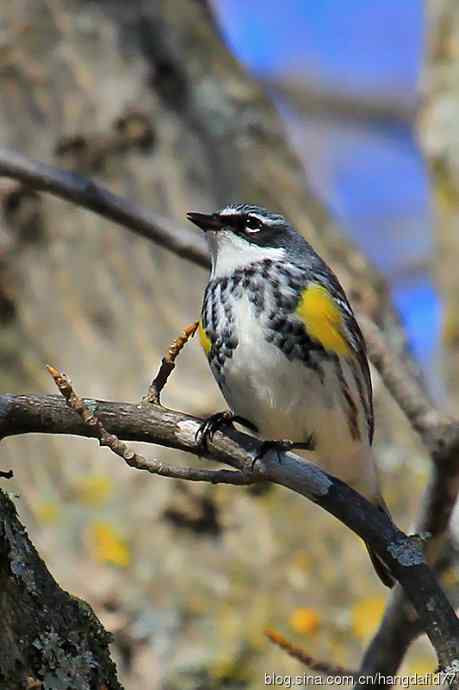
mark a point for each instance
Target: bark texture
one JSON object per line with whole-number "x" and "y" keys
{"x": 47, "y": 636}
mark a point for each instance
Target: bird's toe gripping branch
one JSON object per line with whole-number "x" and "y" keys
{"x": 217, "y": 421}
{"x": 283, "y": 446}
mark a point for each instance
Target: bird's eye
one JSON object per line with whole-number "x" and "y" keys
{"x": 252, "y": 224}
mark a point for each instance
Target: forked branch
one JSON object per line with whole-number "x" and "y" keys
{"x": 156, "y": 424}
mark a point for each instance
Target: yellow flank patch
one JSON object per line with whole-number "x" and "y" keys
{"x": 204, "y": 339}
{"x": 322, "y": 319}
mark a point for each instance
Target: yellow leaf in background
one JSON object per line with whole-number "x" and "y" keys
{"x": 366, "y": 616}
{"x": 302, "y": 561}
{"x": 108, "y": 545}
{"x": 305, "y": 621}
{"x": 94, "y": 490}
{"x": 450, "y": 577}
{"x": 47, "y": 512}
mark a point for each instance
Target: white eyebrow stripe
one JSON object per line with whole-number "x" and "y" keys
{"x": 266, "y": 220}
{"x": 230, "y": 211}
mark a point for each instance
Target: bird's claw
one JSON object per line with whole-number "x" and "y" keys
{"x": 214, "y": 423}
{"x": 281, "y": 446}
{"x": 266, "y": 446}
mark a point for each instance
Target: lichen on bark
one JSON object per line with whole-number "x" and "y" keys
{"x": 46, "y": 634}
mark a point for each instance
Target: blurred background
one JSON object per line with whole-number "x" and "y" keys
{"x": 346, "y": 79}
{"x": 340, "y": 113}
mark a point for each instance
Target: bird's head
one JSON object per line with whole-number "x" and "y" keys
{"x": 241, "y": 234}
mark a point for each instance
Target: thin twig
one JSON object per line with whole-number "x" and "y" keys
{"x": 168, "y": 363}
{"x": 296, "y": 652}
{"x": 134, "y": 459}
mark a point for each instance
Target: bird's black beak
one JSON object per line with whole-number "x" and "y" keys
{"x": 205, "y": 221}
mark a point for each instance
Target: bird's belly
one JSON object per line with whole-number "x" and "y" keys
{"x": 285, "y": 399}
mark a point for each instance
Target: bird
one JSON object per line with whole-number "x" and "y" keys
{"x": 285, "y": 349}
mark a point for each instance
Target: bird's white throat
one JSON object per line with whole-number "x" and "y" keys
{"x": 229, "y": 252}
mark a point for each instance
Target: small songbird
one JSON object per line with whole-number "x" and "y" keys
{"x": 285, "y": 348}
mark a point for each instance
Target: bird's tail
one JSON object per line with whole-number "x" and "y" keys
{"x": 381, "y": 568}
{"x": 361, "y": 464}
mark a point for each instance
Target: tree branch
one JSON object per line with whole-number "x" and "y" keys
{"x": 136, "y": 460}
{"x": 310, "y": 98}
{"x": 70, "y": 186}
{"x": 155, "y": 424}
{"x": 440, "y": 434}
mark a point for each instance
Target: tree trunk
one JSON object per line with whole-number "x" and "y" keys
{"x": 46, "y": 636}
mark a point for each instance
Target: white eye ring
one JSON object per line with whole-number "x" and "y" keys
{"x": 253, "y": 225}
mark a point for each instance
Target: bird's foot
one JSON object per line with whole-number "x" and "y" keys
{"x": 216, "y": 421}
{"x": 282, "y": 446}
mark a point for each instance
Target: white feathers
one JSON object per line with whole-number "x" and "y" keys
{"x": 230, "y": 252}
